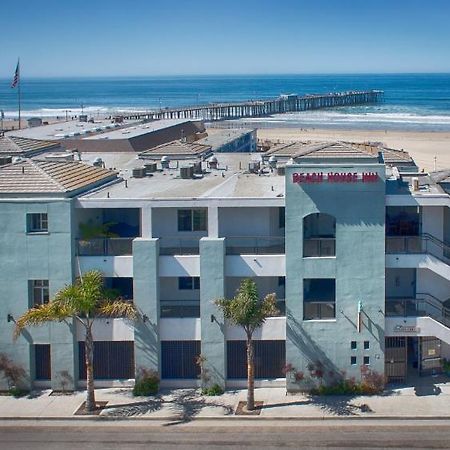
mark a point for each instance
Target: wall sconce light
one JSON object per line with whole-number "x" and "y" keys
{"x": 10, "y": 318}
{"x": 213, "y": 318}
{"x": 145, "y": 318}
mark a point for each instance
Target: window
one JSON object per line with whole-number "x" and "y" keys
{"x": 319, "y": 235}
{"x": 39, "y": 292}
{"x": 319, "y": 298}
{"x": 366, "y": 360}
{"x": 281, "y": 217}
{"x": 192, "y": 220}
{"x": 42, "y": 362}
{"x": 353, "y": 345}
{"x": 188, "y": 283}
{"x": 353, "y": 360}
{"x": 366, "y": 345}
{"x": 37, "y": 223}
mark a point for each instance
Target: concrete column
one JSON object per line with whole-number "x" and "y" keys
{"x": 64, "y": 356}
{"x": 213, "y": 222}
{"x": 146, "y": 299}
{"x": 146, "y": 222}
{"x": 212, "y": 287}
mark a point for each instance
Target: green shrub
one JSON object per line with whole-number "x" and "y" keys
{"x": 215, "y": 389}
{"x": 147, "y": 383}
{"x": 17, "y": 392}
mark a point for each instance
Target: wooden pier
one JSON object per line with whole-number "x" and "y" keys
{"x": 261, "y": 108}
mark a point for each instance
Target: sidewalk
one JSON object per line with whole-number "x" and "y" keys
{"x": 186, "y": 404}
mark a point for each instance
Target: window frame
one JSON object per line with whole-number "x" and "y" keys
{"x": 195, "y": 219}
{"x": 40, "y": 219}
{"x": 193, "y": 285}
{"x": 329, "y": 303}
{"x": 44, "y": 292}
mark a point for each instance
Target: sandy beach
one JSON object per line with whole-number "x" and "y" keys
{"x": 422, "y": 146}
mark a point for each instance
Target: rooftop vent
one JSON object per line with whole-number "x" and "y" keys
{"x": 213, "y": 163}
{"x": 98, "y": 162}
{"x": 165, "y": 161}
{"x": 273, "y": 161}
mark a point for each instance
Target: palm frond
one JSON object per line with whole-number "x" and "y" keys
{"x": 117, "y": 308}
{"x": 50, "y": 312}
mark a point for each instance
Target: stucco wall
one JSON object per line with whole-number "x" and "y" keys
{"x": 359, "y": 269}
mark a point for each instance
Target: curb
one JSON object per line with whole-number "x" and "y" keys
{"x": 221, "y": 418}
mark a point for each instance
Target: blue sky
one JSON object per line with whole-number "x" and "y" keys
{"x": 132, "y": 37}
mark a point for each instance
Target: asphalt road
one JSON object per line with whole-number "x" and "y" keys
{"x": 217, "y": 435}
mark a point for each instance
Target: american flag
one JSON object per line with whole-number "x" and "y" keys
{"x": 15, "y": 80}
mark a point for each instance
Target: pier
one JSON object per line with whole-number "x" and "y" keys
{"x": 261, "y": 108}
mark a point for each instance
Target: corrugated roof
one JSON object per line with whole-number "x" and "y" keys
{"x": 19, "y": 146}
{"x": 45, "y": 177}
{"x": 176, "y": 148}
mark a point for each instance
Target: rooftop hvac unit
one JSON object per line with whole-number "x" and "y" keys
{"x": 273, "y": 162}
{"x": 59, "y": 157}
{"x": 138, "y": 172}
{"x": 281, "y": 170}
{"x": 253, "y": 166}
{"x": 186, "y": 172}
{"x": 150, "y": 168}
{"x": 198, "y": 168}
{"x": 165, "y": 162}
{"x": 415, "y": 184}
{"x": 213, "y": 163}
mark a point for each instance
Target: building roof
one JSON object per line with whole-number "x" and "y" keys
{"x": 48, "y": 177}
{"x": 341, "y": 150}
{"x": 19, "y": 146}
{"x": 177, "y": 149}
{"x": 324, "y": 150}
{"x": 219, "y": 137}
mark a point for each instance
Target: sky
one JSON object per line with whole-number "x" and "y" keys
{"x": 183, "y": 37}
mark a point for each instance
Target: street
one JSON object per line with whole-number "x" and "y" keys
{"x": 219, "y": 434}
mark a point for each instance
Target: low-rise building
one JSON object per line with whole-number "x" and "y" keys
{"x": 355, "y": 248}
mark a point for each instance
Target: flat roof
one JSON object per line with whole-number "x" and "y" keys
{"x": 176, "y": 149}
{"x": 232, "y": 179}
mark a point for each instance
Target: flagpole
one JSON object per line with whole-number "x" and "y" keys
{"x": 18, "y": 91}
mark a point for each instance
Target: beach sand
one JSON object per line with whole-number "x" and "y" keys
{"x": 422, "y": 146}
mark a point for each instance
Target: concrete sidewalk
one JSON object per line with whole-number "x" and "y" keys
{"x": 430, "y": 401}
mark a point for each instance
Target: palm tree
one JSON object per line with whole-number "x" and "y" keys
{"x": 82, "y": 301}
{"x": 249, "y": 312}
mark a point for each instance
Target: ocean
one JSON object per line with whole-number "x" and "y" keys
{"x": 411, "y": 102}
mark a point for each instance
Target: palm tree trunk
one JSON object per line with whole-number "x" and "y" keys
{"x": 250, "y": 375}
{"x": 89, "y": 358}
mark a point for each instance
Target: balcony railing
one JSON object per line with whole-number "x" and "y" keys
{"x": 423, "y": 305}
{"x": 260, "y": 245}
{"x": 105, "y": 246}
{"x": 180, "y": 308}
{"x": 179, "y": 246}
{"x": 423, "y": 243}
{"x": 319, "y": 247}
{"x": 319, "y": 310}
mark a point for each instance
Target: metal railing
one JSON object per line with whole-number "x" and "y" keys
{"x": 105, "y": 246}
{"x": 179, "y": 308}
{"x": 423, "y": 243}
{"x": 319, "y": 247}
{"x": 319, "y": 310}
{"x": 423, "y": 305}
{"x": 179, "y": 246}
{"x": 255, "y": 245}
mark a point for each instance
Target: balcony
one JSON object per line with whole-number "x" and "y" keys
{"x": 319, "y": 247}
{"x": 179, "y": 246}
{"x": 259, "y": 245}
{"x": 105, "y": 246}
{"x": 179, "y": 308}
{"x": 424, "y": 243}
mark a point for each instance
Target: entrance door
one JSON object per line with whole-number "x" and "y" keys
{"x": 395, "y": 359}
{"x": 430, "y": 356}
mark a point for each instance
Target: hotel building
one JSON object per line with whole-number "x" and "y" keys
{"x": 352, "y": 238}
